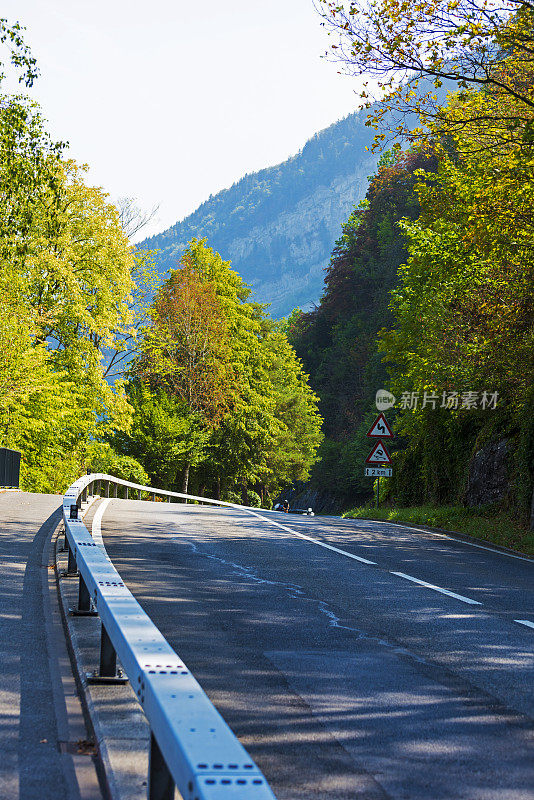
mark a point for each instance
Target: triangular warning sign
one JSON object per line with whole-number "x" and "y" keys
{"x": 380, "y": 428}
{"x": 378, "y": 455}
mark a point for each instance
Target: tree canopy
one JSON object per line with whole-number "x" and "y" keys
{"x": 217, "y": 388}
{"x": 482, "y": 44}
{"x": 64, "y": 282}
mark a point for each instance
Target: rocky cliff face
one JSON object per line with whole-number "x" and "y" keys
{"x": 278, "y": 226}
{"x": 295, "y": 246}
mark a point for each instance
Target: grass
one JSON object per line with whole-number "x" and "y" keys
{"x": 495, "y": 527}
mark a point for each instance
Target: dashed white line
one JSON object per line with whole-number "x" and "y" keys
{"x": 438, "y": 589}
{"x": 526, "y": 622}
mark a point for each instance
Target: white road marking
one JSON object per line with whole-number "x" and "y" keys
{"x": 96, "y": 527}
{"x": 437, "y": 588}
{"x": 96, "y": 533}
{"x": 311, "y": 539}
{"x": 446, "y": 536}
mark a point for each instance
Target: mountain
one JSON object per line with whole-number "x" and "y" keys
{"x": 278, "y": 226}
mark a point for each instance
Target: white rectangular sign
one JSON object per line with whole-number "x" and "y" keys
{"x": 378, "y": 472}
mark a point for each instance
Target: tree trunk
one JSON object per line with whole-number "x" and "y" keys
{"x": 244, "y": 493}
{"x": 218, "y": 488}
{"x": 185, "y": 478}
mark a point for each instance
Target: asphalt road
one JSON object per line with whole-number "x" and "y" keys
{"x": 40, "y": 715}
{"x": 369, "y": 662}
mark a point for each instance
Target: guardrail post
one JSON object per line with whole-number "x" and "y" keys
{"x": 72, "y": 568}
{"x": 160, "y": 782}
{"x": 115, "y": 489}
{"x": 169, "y": 499}
{"x": 127, "y": 493}
{"x": 107, "y": 488}
{"x": 84, "y": 598}
{"x": 108, "y": 656}
{"x": 107, "y": 672}
{"x": 139, "y": 494}
{"x": 153, "y": 497}
{"x": 84, "y": 602}
{"x": 84, "y": 494}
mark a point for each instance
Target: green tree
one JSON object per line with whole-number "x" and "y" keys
{"x": 20, "y": 54}
{"x": 165, "y": 436}
{"x": 337, "y": 341}
{"x": 251, "y": 418}
{"x": 464, "y": 309}
{"x": 469, "y": 43}
{"x": 101, "y": 457}
{"x": 64, "y": 281}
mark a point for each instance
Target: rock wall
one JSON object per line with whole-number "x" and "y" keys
{"x": 319, "y": 502}
{"x": 489, "y": 480}
{"x": 295, "y": 247}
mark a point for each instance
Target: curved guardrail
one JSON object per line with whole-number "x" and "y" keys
{"x": 191, "y": 746}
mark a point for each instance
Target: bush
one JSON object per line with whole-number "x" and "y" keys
{"x": 254, "y": 499}
{"x": 233, "y": 497}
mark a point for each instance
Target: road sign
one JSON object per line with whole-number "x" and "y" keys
{"x": 378, "y": 472}
{"x": 378, "y": 455}
{"x": 380, "y": 428}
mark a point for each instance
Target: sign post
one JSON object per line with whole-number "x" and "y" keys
{"x": 379, "y": 455}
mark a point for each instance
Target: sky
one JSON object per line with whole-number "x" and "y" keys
{"x": 170, "y": 101}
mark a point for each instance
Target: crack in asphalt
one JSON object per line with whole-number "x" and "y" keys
{"x": 297, "y": 592}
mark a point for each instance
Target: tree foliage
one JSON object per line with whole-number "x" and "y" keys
{"x": 64, "y": 280}
{"x": 20, "y": 54}
{"x": 218, "y": 386}
{"x": 337, "y": 341}
{"x": 464, "y": 310}
{"x": 469, "y": 43}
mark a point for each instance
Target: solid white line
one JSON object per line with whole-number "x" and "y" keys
{"x": 96, "y": 527}
{"x": 525, "y": 622}
{"x": 438, "y": 589}
{"x": 449, "y": 538}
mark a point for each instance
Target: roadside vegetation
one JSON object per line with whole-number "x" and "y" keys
{"x": 429, "y": 293}
{"x": 430, "y": 289}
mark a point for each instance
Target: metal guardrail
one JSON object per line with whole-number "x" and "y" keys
{"x": 191, "y": 746}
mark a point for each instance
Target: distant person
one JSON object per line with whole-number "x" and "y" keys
{"x": 286, "y": 506}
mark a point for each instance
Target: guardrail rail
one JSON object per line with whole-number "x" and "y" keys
{"x": 191, "y": 746}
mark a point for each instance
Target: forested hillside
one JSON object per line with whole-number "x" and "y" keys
{"x": 278, "y": 226}
{"x": 430, "y": 294}
{"x": 337, "y": 341}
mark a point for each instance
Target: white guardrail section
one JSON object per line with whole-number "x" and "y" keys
{"x": 191, "y": 747}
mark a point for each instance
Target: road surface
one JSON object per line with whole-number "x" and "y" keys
{"x": 353, "y": 659}
{"x": 41, "y": 719}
